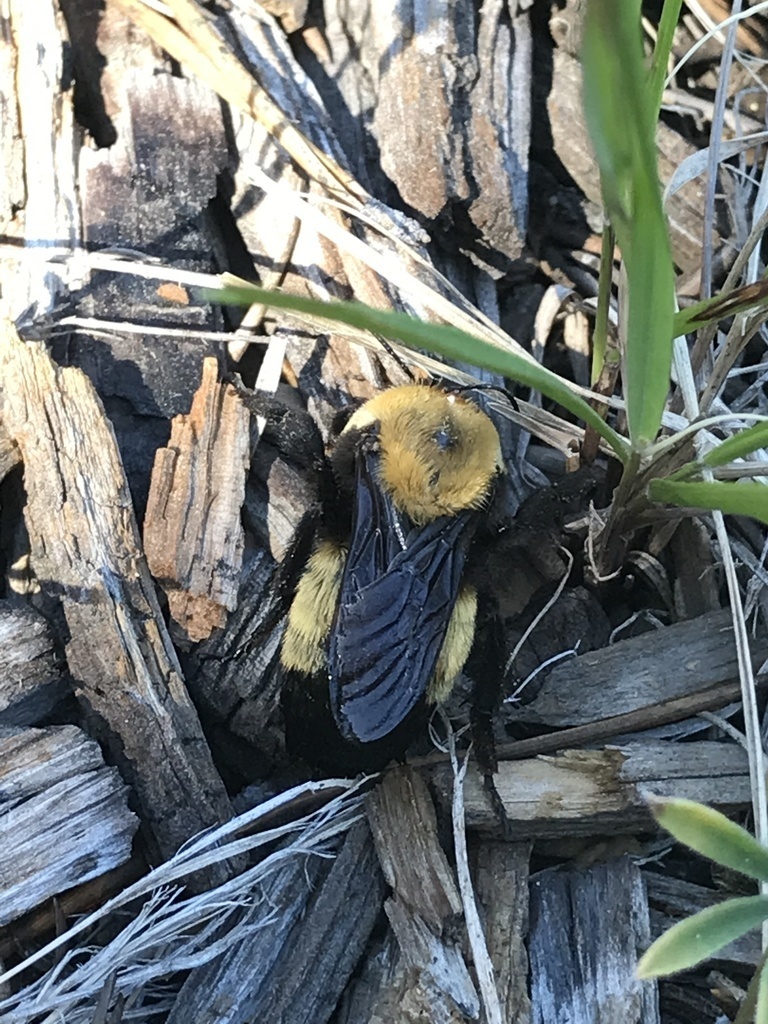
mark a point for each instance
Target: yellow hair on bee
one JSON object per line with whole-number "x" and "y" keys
{"x": 312, "y": 610}
{"x": 456, "y": 646}
{"x": 439, "y": 452}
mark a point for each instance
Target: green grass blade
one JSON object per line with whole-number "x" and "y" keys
{"x": 670, "y": 15}
{"x": 448, "y": 341}
{"x": 711, "y": 834}
{"x": 738, "y": 499}
{"x": 621, "y": 117}
{"x": 693, "y": 940}
{"x": 739, "y": 446}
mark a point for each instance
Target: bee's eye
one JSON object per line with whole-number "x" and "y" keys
{"x": 444, "y": 438}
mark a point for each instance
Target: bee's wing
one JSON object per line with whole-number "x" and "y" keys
{"x": 397, "y": 594}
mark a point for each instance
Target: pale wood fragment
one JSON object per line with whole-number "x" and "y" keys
{"x": 38, "y": 141}
{"x": 85, "y": 547}
{"x": 425, "y": 901}
{"x": 584, "y": 792}
{"x": 31, "y": 680}
{"x": 64, "y": 816}
{"x": 193, "y": 536}
{"x": 588, "y": 929}
{"x": 662, "y": 665}
{"x": 441, "y": 988}
{"x": 502, "y": 878}
{"x": 404, "y": 826}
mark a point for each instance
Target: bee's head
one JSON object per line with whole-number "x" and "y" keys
{"x": 439, "y": 453}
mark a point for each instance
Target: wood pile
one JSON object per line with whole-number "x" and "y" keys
{"x": 146, "y": 507}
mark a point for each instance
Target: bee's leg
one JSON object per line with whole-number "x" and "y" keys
{"x": 488, "y": 678}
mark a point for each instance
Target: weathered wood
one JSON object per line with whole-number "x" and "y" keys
{"x": 85, "y": 547}
{"x": 193, "y": 535}
{"x": 38, "y": 194}
{"x": 502, "y": 880}
{"x": 159, "y": 146}
{"x": 425, "y": 899}
{"x": 64, "y": 816}
{"x": 466, "y": 155}
{"x": 441, "y": 986}
{"x": 588, "y": 792}
{"x": 376, "y": 990}
{"x": 31, "y": 680}
{"x": 235, "y": 683}
{"x": 296, "y": 971}
{"x": 662, "y": 665}
{"x": 649, "y": 717}
{"x": 588, "y": 930}
{"x": 39, "y": 924}
{"x": 404, "y": 826}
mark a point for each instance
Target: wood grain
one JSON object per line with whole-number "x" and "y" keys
{"x": 85, "y": 548}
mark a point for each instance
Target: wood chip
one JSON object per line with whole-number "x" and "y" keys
{"x": 296, "y": 969}
{"x": 404, "y": 826}
{"x": 665, "y": 664}
{"x": 588, "y": 792}
{"x": 193, "y": 535}
{"x": 64, "y": 816}
{"x": 31, "y": 682}
{"x": 502, "y": 880}
{"x": 588, "y": 929}
{"x": 85, "y": 547}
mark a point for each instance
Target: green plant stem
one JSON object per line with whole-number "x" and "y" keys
{"x": 600, "y": 334}
{"x": 613, "y": 542}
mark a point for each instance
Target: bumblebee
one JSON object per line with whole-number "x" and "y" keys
{"x": 383, "y": 615}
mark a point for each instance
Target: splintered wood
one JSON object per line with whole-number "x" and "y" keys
{"x": 64, "y": 816}
{"x": 193, "y": 536}
{"x": 591, "y": 792}
{"x": 84, "y": 545}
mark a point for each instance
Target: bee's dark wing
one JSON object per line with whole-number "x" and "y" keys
{"x": 397, "y": 594}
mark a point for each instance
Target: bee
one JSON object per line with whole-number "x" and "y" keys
{"x": 383, "y": 616}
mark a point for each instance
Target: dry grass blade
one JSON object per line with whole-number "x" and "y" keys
{"x": 195, "y": 42}
{"x": 175, "y": 932}
{"x": 483, "y": 967}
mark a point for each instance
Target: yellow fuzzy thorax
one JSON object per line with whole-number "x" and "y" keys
{"x": 439, "y": 452}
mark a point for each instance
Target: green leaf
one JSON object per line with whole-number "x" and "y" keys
{"x": 693, "y": 940}
{"x": 711, "y": 834}
{"x": 444, "y": 339}
{"x": 761, "y": 1013}
{"x": 746, "y": 498}
{"x": 621, "y": 116}
{"x": 739, "y": 445}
